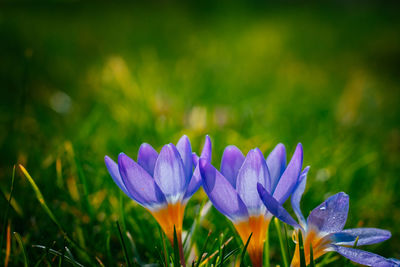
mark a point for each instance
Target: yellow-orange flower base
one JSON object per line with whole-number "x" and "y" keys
{"x": 258, "y": 225}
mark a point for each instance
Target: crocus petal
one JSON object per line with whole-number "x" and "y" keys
{"x": 297, "y": 194}
{"x": 232, "y": 160}
{"x": 147, "y": 157}
{"x": 290, "y": 176}
{"x": 391, "y": 262}
{"x": 341, "y": 238}
{"x": 169, "y": 173}
{"x": 361, "y": 256}
{"x": 276, "y": 162}
{"x": 195, "y": 182}
{"x": 366, "y": 236}
{"x": 195, "y": 159}
{"x": 114, "y": 172}
{"x": 331, "y": 215}
{"x": 185, "y": 151}
{"x": 254, "y": 170}
{"x": 139, "y": 183}
{"x": 221, "y": 193}
{"x": 206, "y": 152}
{"x": 275, "y": 208}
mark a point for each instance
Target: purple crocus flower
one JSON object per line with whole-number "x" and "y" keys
{"x": 323, "y": 228}
{"x": 233, "y": 190}
{"x": 162, "y": 183}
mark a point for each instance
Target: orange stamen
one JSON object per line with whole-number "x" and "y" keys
{"x": 319, "y": 245}
{"x": 258, "y": 225}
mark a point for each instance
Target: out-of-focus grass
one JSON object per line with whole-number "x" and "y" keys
{"x": 79, "y": 81}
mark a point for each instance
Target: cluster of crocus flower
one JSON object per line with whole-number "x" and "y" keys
{"x": 162, "y": 183}
{"x": 323, "y": 229}
{"x": 248, "y": 190}
{"x": 233, "y": 190}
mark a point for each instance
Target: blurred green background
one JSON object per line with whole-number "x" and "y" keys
{"x": 82, "y": 80}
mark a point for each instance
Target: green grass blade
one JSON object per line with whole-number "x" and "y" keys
{"x": 160, "y": 255}
{"x": 312, "y": 263}
{"x": 121, "y": 209}
{"x": 63, "y": 254}
{"x": 70, "y": 255}
{"x": 221, "y": 250}
{"x": 281, "y": 243}
{"x": 176, "y": 250}
{"x": 222, "y": 256}
{"x": 266, "y": 249}
{"x": 188, "y": 238}
{"x": 329, "y": 258}
{"x": 121, "y": 240}
{"x": 57, "y": 253}
{"x": 46, "y": 208}
{"x": 21, "y": 245}
{"x": 165, "y": 261}
{"x": 347, "y": 261}
{"x": 100, "y": 262}
{"x": 39, "y": 262}
{"x": 356, "y": 242}
{"x": 244, "y": 251}
{"x": 288, "y": 248}
{"x": 136, "y": 256}
{"x": 229, "y": 254}
{"x": 84, "y": 190}
{"x": 7, "y": 209}
{"x": 203, "y": 250}
{"x": 193, "y": 228}
{"x": 210, "y": 256}
{"x": 213, "y": 259}
{"x": 40, "y": 197}
{"x": 301, "y": 250}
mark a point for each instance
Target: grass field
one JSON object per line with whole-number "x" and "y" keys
{"x": 83, "y": 80}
